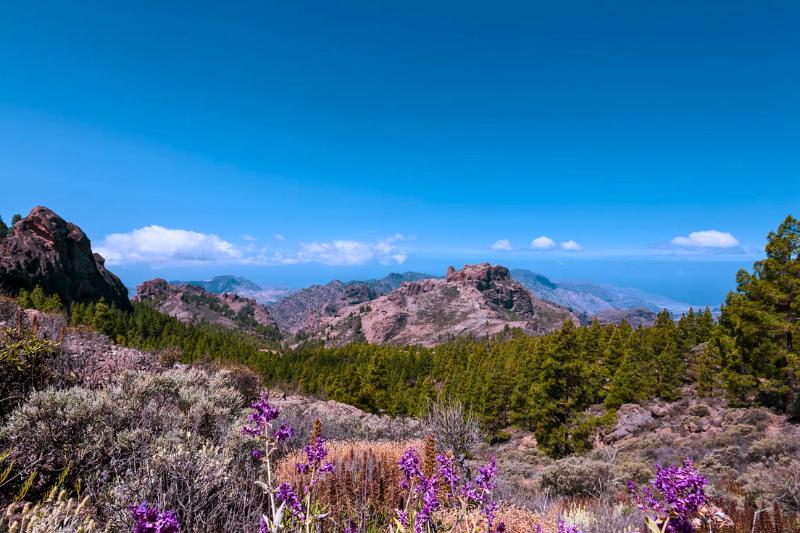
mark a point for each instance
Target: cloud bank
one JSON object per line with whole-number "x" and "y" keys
{"x": 157, "y": 245}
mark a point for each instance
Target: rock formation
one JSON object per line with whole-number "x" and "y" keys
{"x": 44, "y": 249}
{"x": 477, "y": 300}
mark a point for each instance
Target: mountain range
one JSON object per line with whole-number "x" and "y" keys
{"x": 412, "y": 307}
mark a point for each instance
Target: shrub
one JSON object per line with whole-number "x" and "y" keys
{"x": 23, "y": 358}
{"x": 775, "y": 482}
{"x": 578, "y": 476}
{"x": 772, "y": 448}
{"x": 210, "y": 487}
{"x": 101, "y": 433}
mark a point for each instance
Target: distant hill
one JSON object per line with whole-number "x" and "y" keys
{"x": 589, "y": 298}
{"x": 237, "y": 285}
{"x": 220, "y": 284}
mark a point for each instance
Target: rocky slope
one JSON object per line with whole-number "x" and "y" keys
{"x": 303, "y": 310}
{"x": 477, "y": 300}
{"x": 192, "y": 304}
{"x": 44, "y": 249}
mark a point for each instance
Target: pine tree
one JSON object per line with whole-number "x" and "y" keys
{"x": 102, "y": 316}
{"x": 38, "y": 298}
{"x": 763, "y": 320}
{"x": 16, "y": 218}
{"x": 3, "y": 229}
{"x": 707, "y": 369}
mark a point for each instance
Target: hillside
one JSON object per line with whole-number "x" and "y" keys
{"x": 478, "y": 300}
{"x": 193, "y": 305}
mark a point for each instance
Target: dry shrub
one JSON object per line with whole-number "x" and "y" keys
{"x": 56, "y": 513}
{"x": 578, "y": 476}
{"x": 365, "y": 482}
{"x": 777, "y": 481}
{"x": 100, "y": 433}
{"x": 516, "y": 520}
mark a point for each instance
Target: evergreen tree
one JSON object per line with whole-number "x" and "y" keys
{"x": 3, "y": 229}
{"x": 16, "y": 218}
{"x": 38, "y": 297}
{"x": 24, "y": 299}
{"x": 761, "y": 318}
{"x": 707, "y": 369}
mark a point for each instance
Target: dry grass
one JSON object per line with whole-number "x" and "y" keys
{"x": 365, "y": 482}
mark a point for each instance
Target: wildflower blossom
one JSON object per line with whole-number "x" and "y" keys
{"x": 409, "y": 464}
{"x": 676, "y": 493}
{"x": 263, "y": 414}
{"x": 149, "y": 519}
{"x": 283, "y": 433}
{"x": 289, "y": 497}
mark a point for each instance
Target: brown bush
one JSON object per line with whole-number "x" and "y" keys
{"x": 365, "y": 482}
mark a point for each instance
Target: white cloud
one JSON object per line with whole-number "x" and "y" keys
{"x": 249, "y": 238}
{"x": 707, "y": 239}
{"x": 278, "y": 237}
{"x": 349, "y": 252}
{"x": 502, "y": 245}
{"x": 571, "y": 246}
{"x": 543, "y": 243}
{"x": 157, "y": 244}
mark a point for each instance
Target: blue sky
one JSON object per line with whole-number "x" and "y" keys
{"x": 295, "y": 142}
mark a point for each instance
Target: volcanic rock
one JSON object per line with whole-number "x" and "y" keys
{"x": 44, "y": 249}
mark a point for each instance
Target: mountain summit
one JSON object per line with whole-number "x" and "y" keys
{"x": 477, "y": 300}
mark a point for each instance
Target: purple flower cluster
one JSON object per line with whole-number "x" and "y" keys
{"x": 149, "y": 519}
{"x": 478, "y": 494}
{"x": 315, "y": 455}
{"x": 260, "y": 420}
{"x": 286, "y": 494}
{"x": 676, "y": 493}
{"x": 263, "y": 414}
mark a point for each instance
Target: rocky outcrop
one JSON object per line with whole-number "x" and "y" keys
{"x": 192, "y": 305}
{"x": 477, "y": 300}
{"x": 44, "y": 249}
{"x": 303, "y": 310}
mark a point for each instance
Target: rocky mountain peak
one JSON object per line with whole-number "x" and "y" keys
{"x": 44, "y": 249}
{"x": 482, "y": 273}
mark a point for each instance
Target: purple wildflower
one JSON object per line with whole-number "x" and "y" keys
{"x": 263, "y": 413}
{"x": 256, "y": 453}
{"x": 403, "y": 517}
{"x": 430, "y": 502}
{"x": 351, "y": 527}
{"x": 447, "y": 472}
{"x": 283, "y": 433}
{"x": 150, "y": 520}
{"x": 286, "y": 494}
{"x": 676, "y": 493}
{"x": 409, "y": 464}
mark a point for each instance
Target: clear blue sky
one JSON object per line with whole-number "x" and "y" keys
{"x": 299, "y": 141}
